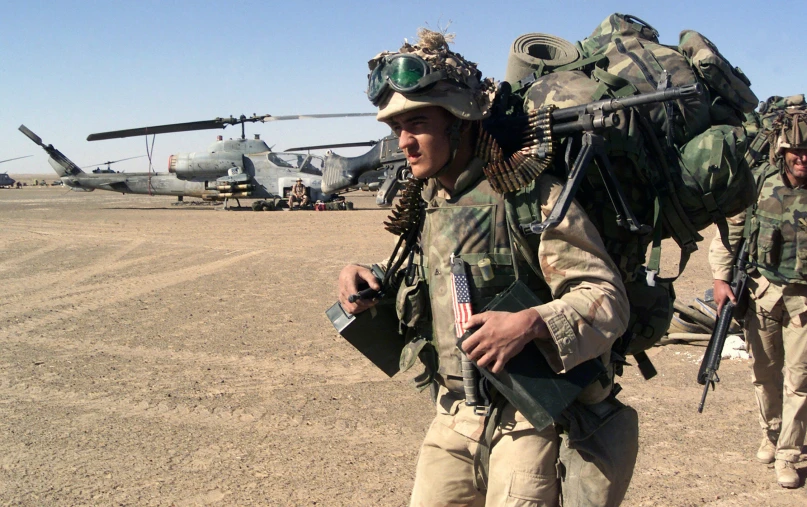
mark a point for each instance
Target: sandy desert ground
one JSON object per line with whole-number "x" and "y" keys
{"x": 153, "y": 354}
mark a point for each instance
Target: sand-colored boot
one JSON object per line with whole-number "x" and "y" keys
{"x": 786, "y": 474}
{"x": 767, "y": 451}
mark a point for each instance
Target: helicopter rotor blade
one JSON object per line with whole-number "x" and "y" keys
{"x": 110, "y": 162}
{"x": 339, "y": 145}
{"x": 269, "y": 117}
{"x": 217, "y": 123}
{"x": 30, "y": 135}
{"x": 15, "y": 158}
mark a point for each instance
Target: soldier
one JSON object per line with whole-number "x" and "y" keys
{"x": 298, "y": 194}
{"x": 776, "y": 320}
{"x": 434, "y": 101}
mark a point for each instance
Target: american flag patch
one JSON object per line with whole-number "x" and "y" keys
{"x": 461, "y": 294}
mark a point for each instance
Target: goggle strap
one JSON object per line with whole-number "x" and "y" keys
{"x": 432, "y": 78}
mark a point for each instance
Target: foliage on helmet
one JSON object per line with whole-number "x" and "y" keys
{"x": 464, "y": 81}
{"x": 789, "y": 131}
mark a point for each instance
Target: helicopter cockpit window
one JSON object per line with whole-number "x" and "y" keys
{"x": 311, "y": 165}
{"x": 305, "y": 163}
{"x": 282, "y": 160}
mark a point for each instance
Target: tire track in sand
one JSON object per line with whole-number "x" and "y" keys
{"x": 126, "y": 289}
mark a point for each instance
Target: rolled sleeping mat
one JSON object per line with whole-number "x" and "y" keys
{"x": 531, "y": 50}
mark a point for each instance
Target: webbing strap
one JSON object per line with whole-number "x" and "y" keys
{"x": 579, "y": 64}
{"x": 622, "y": 86}
{"x": 655, "y": 254}
{"x": 674, "y": 215}
{"x": 754, "y": 152}
{"x": 521, "y": 209}
{"x": 483, "y": 448}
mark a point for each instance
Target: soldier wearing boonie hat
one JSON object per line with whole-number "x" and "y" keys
{"x": 434, "y": 99}
{"x": 776, "y": 320}
{"x": 298, "y": 194}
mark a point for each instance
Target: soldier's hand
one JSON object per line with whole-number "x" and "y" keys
{"x": 352, "y": 279}
{"x": 722, "y": 292}
{"x": 501, "y": 335}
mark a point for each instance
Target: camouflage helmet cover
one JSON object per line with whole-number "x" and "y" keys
{"x": 465, "y": 94}
{"x": 790, "y": 130}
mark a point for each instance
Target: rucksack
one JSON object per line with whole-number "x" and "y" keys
{"x": 681, "y": 164}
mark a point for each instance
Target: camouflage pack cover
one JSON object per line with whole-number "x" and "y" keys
{"x": 728, "y": 81}
{"x": 634, "y": 64}
{"x": 616, "y": 25}
{"x": 713, "y": 179}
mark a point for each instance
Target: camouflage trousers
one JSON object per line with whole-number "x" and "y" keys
{"x": 590, "y": 464}
{"x": 776, "y": 334}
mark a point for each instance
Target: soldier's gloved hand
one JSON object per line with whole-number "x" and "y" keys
{"x": 502, "y": 335}
{"x": 352, "y": 279}
{"x": 722, "y": 292}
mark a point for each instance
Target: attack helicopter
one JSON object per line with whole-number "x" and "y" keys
{"x": 240, "y": 168}
{"x": 229, "y": 169}
{"x": 383, "y": 168}
{"x": 7, "y": 181}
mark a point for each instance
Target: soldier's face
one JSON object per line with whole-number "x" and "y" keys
{"x": 796, "y": 161}
{"x": 423, "y": 137}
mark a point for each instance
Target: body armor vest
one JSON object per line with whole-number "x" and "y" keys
{"x": 779, "y": 230}
{"x": 472, "y": 225}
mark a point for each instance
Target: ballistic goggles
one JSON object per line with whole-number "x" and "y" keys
{"x": 404, "y": 73}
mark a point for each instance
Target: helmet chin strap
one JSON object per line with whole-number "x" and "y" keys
{"x": 454, "y": 132}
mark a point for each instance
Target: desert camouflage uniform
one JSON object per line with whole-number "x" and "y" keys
{"x": 297, "y": 194}
{"x": 586, "y": 311}
{"x": 776, "y": 321}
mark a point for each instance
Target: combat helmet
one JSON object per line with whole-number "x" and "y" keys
{"x": 428, "y": 74}
{"x": 790, "y": 131}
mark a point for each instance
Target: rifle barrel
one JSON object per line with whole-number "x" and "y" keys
{"x": 612, "y": 105}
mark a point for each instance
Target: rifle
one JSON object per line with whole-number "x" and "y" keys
{"x": 707, "y": 374}
{"x": 339, "y": 173}
{"x": 591, "y": 119}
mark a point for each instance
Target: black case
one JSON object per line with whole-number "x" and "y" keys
{"x": 374, "y": 332}
{"x": 527, "y": 381}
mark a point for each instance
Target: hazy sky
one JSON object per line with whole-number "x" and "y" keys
{"x": 71, "y": 68}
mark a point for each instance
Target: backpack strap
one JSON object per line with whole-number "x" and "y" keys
{"x": 526, "y": 81}
{"x": 521, "y": 209}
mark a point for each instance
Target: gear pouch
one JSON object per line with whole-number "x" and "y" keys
{"x": 411, "y": 302}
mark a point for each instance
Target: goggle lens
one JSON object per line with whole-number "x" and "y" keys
{"x": 402, "y": 72}
{"x": 405, "y": 73}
